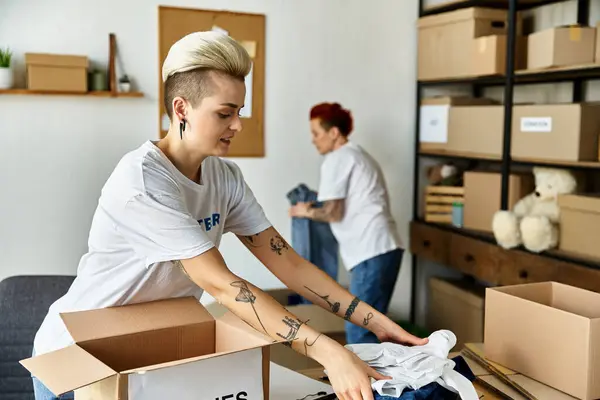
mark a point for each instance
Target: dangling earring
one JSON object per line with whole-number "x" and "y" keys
{"x": 181, "y": 128}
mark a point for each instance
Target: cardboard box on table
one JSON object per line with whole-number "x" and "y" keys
{"x": 547, "y": 331}
{"x": 168, "y": 349}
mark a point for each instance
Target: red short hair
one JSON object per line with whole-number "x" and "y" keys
{"x": 332, "y": 114}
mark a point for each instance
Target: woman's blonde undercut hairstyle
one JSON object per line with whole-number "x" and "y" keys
{"x": 186, "y": 67}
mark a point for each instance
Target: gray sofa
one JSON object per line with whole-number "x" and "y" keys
{"x": 24, "y": 302}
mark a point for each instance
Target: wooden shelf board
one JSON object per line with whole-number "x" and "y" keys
{"x": 452, "y": 5}
{"x": 575, "y": 164}
{"x": 488, "y": 237}
{"x": 68, "y": 93}
{"x": 458, "y": 154}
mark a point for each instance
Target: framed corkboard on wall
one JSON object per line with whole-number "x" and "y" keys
{"x": 249, "y": 30}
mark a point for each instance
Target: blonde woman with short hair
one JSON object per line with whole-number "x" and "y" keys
{"x": 161, "y": 214}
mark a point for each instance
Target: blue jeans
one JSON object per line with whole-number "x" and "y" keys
{"x": 41, "y": 392}
{"x": 373, "y": 281}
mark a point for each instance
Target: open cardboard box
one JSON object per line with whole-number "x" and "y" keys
{"x": 167, "y": 349}
{"x": 548, "y": 331}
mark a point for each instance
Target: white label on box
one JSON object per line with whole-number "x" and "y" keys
{"x": 433, "y": 124}
{"x": 236, "y": 376}
{"x": 536, "y": 124}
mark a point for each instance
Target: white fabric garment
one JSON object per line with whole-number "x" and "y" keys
{"x": 149, "y": 214}
{"x": 367, "y": 228}
{"x": 416, "y": 366}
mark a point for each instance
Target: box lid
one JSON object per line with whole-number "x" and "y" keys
{"x": 56, "y": 60}
{"x": 462, "y": 15}
{"x": 134, "y": 318}
{"x": 582, "y": 202}
{"x": 67, "y": 369}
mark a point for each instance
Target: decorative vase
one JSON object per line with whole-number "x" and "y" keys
{"x": 6, "y": 78}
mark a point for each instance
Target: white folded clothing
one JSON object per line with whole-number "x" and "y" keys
{"x": 415, "y": 366}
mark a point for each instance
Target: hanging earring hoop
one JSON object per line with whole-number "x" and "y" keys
{"x": 181, "y": 128}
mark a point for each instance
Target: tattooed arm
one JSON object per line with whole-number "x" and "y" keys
{"x": 347, "y": 372}
{"x": 332, "y": 211}
{"x": 309, "y": 281}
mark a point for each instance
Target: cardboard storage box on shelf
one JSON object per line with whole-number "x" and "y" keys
{"x": 580, "y": 224}
{"x": 461, "y": 124}
{"x": 55, "y": 72}
{"x": 547, "y": 331}
{"x": 482, "y": 196}
{"x": 456, "y": 305}
{"x": 597, "y": 49}
{"x": 558, "y": 132}
{"x": 488, "y": 55}
{"x": 157, "y": 350}
{"x": 561, "y": 46}
{"x": 444, "y": 40}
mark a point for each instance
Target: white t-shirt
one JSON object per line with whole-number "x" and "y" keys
{"x": 367, "y": 228}
{"x": 149, "y": 214}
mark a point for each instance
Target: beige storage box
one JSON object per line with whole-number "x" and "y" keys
{"x": 444, "y": 40}
{"x": 482, "y": 196}
{"x": 547, "y": 331}
{"x": 597, "y": 50}
{"x": 556, "y": 132}
{"x": 561, "y": 47}
{"x": 580, "y": 224}
{"x": 162, "y": 349}
{"x": 488, "y": 55}
{"x": 456, "y": 305}
{"x": 463, "y": 124}
{"x": 54, "y": 72}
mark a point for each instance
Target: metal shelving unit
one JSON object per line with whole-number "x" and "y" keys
{"x": 576, "y": 74}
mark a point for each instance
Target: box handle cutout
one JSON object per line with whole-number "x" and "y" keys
{"x": 426, "y": 243}
{"x": 498, "y": 24}
{"x": 469, "y": 258}
{"x": 523, "y": 274}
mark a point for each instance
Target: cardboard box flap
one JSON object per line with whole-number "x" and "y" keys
{"x": 587, "y": 202}
{"x": 463, "y": 15}
{"x": 67, "y": 369}
{"x": 134, "y": 318}
{"x": 56, "y": 60}
{"x": 456, "y": 100}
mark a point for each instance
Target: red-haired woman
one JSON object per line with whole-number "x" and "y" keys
{"x": 356, "y": 205}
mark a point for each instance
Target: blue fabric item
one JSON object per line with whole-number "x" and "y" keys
{"x": 313, "y": 240}
{"x": 42, "y": 392}
{"x": 373, "y": 281}
{"x": 433, "y": 391}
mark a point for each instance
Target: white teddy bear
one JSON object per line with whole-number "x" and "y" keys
{"x": 534, "y": 220}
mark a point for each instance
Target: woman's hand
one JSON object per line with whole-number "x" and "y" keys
{"x": 392, "y": 332}
{"x": 300, "y": 210}
{"x": 350, "y": 376}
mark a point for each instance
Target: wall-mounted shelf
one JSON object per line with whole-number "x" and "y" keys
{"x": 453, "y": 5}
{"x": 525, "y": 77}
{"x": 67, "y": 93}
{"x": 458, "y": 155}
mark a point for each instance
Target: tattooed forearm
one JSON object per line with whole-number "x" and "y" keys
{"x": 293, "y": 325}
{"x": 331, "y": 211}
{"x": 251, "y": 240}
{"x": 307, "y": 344}
{"x": 335, "y": 307}
{"x": 367, "y": 319}
{"x": 351, "y": 308}
{"x": 278, "y": 245}
{"x": 245, "y": 295}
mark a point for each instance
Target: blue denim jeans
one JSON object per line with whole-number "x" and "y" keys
{"x": 41, "y": 392}
{"x": 373, "y": 281}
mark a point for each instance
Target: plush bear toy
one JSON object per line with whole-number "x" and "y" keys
{"x": 534, "y": 220}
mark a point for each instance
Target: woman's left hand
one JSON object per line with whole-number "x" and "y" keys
{"x": 392, "y": 332}
{"x": 300, "y": 209}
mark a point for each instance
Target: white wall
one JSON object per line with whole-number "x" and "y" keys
{"x": 57, "y": 152}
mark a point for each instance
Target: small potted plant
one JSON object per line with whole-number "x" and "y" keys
{"x": 6, "y": 73}
{"x": 124, "y": 84}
